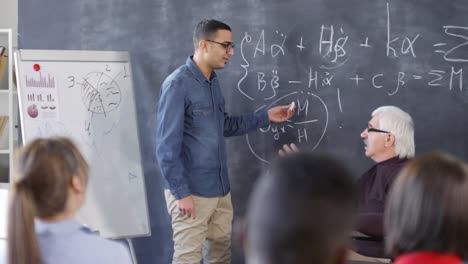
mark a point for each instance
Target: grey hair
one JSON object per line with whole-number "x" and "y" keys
{"x": 400, "y": 124}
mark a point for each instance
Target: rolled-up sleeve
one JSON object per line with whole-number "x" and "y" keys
{"x": 169, "y": 137}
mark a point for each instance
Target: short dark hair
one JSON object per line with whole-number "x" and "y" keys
{"x": 302, "y": 211}
{"x": 206, "y": 28}
{"x": 427, "y": 207}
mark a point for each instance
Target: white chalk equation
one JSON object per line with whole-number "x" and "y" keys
{"x": 311, "y": 116}
{"x": 335, "y": 53}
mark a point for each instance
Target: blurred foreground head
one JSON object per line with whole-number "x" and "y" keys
{"x": 427, "y": 208}
{"x": 301, "y": 212}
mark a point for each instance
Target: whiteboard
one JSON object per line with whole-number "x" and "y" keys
{"x": 88, "y": 96}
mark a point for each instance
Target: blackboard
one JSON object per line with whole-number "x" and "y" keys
{"x": 377, "y": 46}
{"x": 88, "y": 96}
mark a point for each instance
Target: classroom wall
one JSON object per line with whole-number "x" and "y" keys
{"x": 157, "y": 33}
{"x": 9, "y": 17}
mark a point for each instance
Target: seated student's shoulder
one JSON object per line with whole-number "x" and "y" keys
{"x": 109, "y": 251}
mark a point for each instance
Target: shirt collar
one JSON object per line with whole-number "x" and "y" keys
{"x": 63, "y": 226}
{"x": 428, "y": 257}
{"x": 393, "y": 160}
{"x": 197, "y": 72}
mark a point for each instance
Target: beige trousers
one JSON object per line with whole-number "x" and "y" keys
{"x": 210, "y": 232}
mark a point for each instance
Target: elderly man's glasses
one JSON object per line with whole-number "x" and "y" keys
{"x": 227, "y": 45}
{"x": 371, "y": 129}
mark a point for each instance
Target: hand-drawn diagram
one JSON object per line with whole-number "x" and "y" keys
{"x": 100, "y": 94}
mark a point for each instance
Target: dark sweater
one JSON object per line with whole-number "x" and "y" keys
{"x": 373, "y": 189}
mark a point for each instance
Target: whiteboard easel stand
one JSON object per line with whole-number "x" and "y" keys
{"x": 132, "y": 251}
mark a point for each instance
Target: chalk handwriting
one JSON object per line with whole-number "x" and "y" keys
{"x": 265, "y": 55}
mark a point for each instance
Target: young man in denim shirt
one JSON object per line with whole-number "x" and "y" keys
{"x": 191, "y": 151}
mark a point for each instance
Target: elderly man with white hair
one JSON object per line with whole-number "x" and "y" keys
{"x": 389, "y": 141}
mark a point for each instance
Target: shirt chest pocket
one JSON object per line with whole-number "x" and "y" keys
{"x": 202, "y": 114}
{"x": 202, "y": 110}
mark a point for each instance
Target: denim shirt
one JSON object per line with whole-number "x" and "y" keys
{"x": 190, "y": 129}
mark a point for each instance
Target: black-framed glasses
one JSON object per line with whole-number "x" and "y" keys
{"x": 227, "y": 46}
{"x": 371, "y": 129}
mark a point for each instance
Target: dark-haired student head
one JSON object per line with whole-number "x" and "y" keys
{"x": 427, "y": 210}
{"x": 301, "y": 212}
